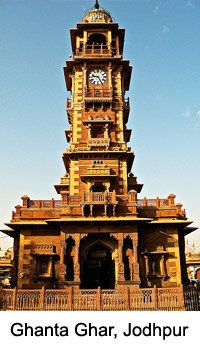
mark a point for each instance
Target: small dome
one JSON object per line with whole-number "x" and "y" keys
{"x": 97, "y": 15}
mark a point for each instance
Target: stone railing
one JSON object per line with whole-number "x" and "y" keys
{"x": 98, "y": 119}
{"x": 98, "y": 93}
{"x": 128, "y": 203}
{"x": 97, "y": 49}
{"x": 99, "y": 198}
{"x": 73, "y": 199}
{"x": 160, "y": 207}
{"x": 98, "y": 171}
{"x": 149, "y": 299}
{"x": 64, "y": 180}
{"x": 99, "y": 142}
{"x": 37, "y": 209}
{"x": 44, "y": 203}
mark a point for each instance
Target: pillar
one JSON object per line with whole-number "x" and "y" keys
{"x": 62, "y": 271}
{"x": 120, "y": 277}
{"x": 76, "y": 259}
{"x": 136, "y": 277}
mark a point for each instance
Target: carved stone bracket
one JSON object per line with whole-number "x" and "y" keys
{"x": 83, "y": 236}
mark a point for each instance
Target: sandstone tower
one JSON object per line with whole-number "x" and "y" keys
{"x": 98, "y": 233}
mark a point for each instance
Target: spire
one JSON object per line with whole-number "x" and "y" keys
{"x": 96, "y": 5}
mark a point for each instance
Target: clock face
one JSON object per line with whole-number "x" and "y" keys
{"x": 97, "y": 76}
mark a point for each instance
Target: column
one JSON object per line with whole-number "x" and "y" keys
{"x": 106, "y": 136}
{"x": 110, "y": 75}
{"x": 76, "y": 259}
{"x": 162, "y": 266}
{"x": 120, "y": 277}
{"x": 136, "y": 276}
{"x": 62, "y": 271}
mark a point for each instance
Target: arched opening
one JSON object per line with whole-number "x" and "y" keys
{"x": 98, "y": 188}
{"x": 127, "y": 258}
{"x": 96, "y": 40}
{"x": 70, "y": 244}
{"x": 98, "y": 268}
{"x": 87, "y": 211}
{"x": 97, "y": 132}
{"x": 110, "y": 210}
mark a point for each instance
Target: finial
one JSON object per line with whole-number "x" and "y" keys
{"x": 96, "y": 5}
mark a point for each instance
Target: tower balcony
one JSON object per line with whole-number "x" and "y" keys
{"x": 126, "y": 109}
{"x": 103, "y": 171}
{"x": 95, "y": 172}
{"x": 98, "y": 119}
{"x": 64, "y": 183}
{"x": 99, "y": 198}
{"x": 69, "y": 109}
{"x": 97, "y": 95}
{"x": 99, "y": 143}
{"x": 64, "y": 180}
{"x": 96, "y": 51}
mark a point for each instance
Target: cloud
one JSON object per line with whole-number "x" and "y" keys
{"x": 198, "y": 115}
{"x": 156, "y": 9}
{"x": 191, "y": 4}
{"x": 165, "y": 29}
{"x": 187, "y": 113}
{"x": 192, "y": 115}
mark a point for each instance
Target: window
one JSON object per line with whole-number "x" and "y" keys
{"x": 96, "y": 40}
{"x": 154, "y": 265}
{"x": 44, "y": 266}
{"x": 97, "y": 132}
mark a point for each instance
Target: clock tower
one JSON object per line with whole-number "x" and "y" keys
{"x": 101, "y": 188}
{"x": 99, "y": 233}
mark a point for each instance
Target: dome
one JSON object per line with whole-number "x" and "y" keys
{"x": 97, "y": 15}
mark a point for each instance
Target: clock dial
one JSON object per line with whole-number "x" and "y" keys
{"x": 97, "y": 76}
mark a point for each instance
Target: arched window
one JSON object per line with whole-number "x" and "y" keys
{"x": 98, "y": 188}
{"x": 97, "y": 132}
{"x": 96, "y": 40}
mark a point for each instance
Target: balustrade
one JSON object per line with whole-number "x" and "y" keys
{"x": 160, "y": 207}
{"x": 96, "y": 50}
{"x": 98, "y": 171}
{"x": 118, "y": 299}
{"x": 64, "y": 180}
{"x": 99, "y": 142}
{"x": 74, "y": 199}
{"x": 99, "y": 198}
{"x": 98, "y": 93}
{"x": 44, "y": 203}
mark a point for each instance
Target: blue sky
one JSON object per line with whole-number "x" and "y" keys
{"x": 162, "y": 43}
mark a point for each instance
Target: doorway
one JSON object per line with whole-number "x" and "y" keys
{"x": 98, "y": 268}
